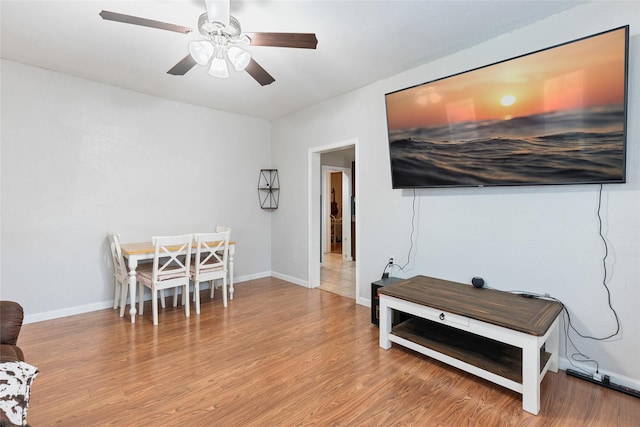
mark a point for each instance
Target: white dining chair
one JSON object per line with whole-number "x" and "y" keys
{"x": 210, "y": 263}
{"x": 212, "y": 285}
{"x": 170, "y": 270}
{"x": 120, "y": 274}
{"x": 220, "y": 229}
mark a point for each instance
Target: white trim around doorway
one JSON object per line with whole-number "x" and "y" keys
{"x": 315, "y": 209}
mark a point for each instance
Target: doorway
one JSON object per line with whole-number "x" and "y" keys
{"x": 337, "y": 269}
{"x": 324, "y": 161}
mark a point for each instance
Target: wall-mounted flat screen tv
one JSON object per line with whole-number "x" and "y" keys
{"x": 554, "y": 116}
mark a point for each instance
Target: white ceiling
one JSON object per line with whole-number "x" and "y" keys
{"x": 359, "y": 42}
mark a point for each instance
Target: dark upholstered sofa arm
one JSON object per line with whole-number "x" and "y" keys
{"x": 11, "y": 316}
{"x": 11, "y": 353}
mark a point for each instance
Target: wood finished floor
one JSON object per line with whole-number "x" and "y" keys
{"x": 338, "y": 276}
{"x": 279, "y": 355}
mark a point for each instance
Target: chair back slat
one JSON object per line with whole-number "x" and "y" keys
{"x": 172, "y": 257}
{"x": 212, "y": 252}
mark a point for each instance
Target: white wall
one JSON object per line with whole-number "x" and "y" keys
{"x": 81, "y": 159}
{"x": 540, "y": 239}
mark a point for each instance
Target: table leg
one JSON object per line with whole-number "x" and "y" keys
{"x": 133, "y": 263}
{"x": 232, "y": 250}
{"x": 531, "y": 376}
{"x": 553, "y": 345}
{"x": 385, "y": 323}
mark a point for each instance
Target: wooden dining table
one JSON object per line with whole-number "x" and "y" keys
{"x": 140, "y": 251}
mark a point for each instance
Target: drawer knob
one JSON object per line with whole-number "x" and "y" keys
{"x": 441, "y": 316}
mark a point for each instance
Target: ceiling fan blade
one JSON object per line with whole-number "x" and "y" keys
{"x": 298, "y": 40}
{"x": 129, "y": 19}
{"x": 218, "y": 11}
{"x": 181, "y": 68}
{"x": 258, "y": 73}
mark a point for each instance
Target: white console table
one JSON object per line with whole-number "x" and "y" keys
{"x": 499, "y": 336}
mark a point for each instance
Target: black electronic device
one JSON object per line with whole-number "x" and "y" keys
{"x": 545, "y": 117}
{"x": 477, "y": 282}
{"x": 398, "y": 316}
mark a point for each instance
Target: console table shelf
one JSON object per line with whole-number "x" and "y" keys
{"x": 494, "y": 356}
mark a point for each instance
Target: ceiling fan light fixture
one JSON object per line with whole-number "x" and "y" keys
{"x": 239, "y": 58}
{"x": 222, "y": 32}
{"x": 219, "y": 68}
{"x": 201, "y": 51}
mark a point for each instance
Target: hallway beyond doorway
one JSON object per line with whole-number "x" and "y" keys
{"x": 338, "y": 276}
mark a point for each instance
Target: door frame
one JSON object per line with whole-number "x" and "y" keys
{"x": 315, "y": 208}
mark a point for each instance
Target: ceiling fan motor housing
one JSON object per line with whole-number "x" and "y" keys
{"x": 208, "y": 28}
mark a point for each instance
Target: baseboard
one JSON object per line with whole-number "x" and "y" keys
{"x": 246, "y": 278}
{"x": 81, "y": 309}
{"x": 291, "y": 279}
{"x": 363, "y": 301}
{"x": 68, "y": 311}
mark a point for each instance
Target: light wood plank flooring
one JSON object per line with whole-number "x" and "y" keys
{"x": 338, "y": 276}
{"x": 279, "y": 355}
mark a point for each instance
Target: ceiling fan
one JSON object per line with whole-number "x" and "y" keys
{"x": 223, "y": 37}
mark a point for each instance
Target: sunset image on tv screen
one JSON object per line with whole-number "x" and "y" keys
{"x": 555, "y": 116}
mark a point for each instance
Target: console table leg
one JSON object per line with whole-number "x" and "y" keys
{"x": 385, "y": 324}
{"x": 553, "y": 345}
{"x": 531, "y": 377}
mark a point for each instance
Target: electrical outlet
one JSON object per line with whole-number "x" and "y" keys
{"x": 390, "y": 260}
